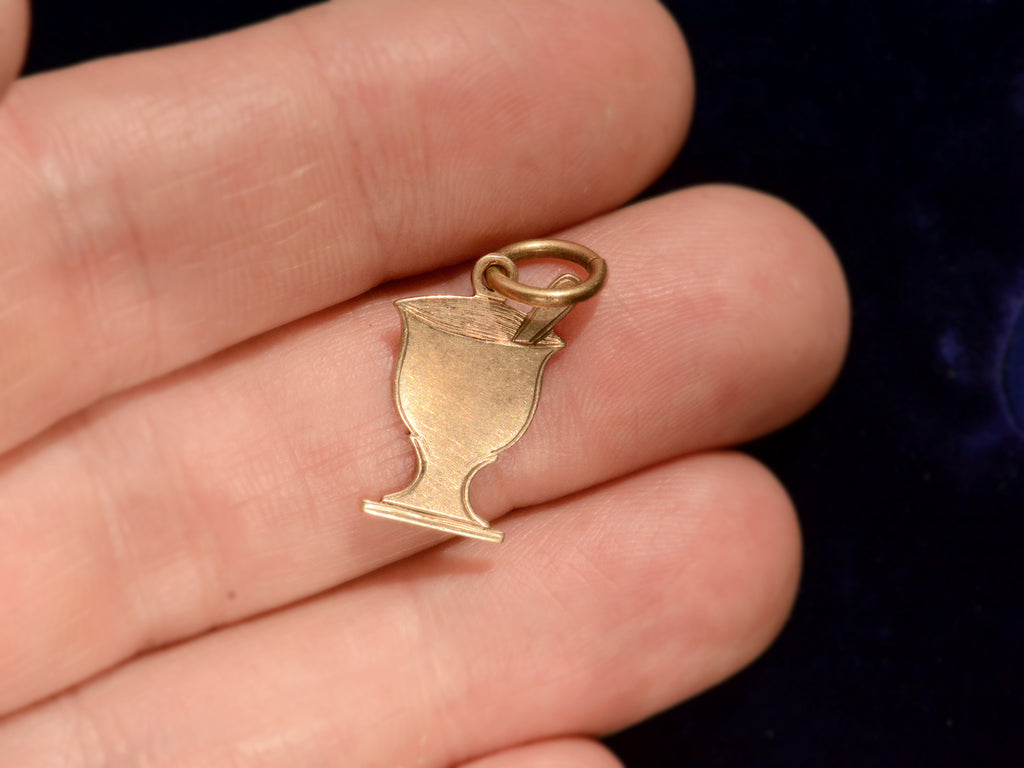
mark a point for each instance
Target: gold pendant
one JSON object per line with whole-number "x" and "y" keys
{"x": 468, "y": 378}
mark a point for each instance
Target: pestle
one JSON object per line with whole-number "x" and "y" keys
{"x": 540, "y": 320}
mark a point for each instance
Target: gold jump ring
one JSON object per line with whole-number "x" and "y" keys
{"x": 508, "y": 286}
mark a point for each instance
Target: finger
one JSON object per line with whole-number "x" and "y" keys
{"x": 161, "y": 206}
{"x": 557, "y": 753}
{"x": 236, "y": 487}
{"x": 601, "y": 610}
{"x": 13, "y": 40}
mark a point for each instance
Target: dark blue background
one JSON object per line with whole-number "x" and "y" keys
{"x": 898, "y": 126}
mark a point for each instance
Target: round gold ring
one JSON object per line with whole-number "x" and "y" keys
{"x": 508, "y": 286}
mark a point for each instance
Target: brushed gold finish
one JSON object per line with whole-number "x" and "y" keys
{"x": 468, "y": 381}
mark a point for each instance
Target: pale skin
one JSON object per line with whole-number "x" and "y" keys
{"x": 195, "y": 379}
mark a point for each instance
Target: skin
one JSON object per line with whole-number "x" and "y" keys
{"x": 199, "y": 251}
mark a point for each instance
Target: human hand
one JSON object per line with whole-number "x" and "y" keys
{"x": 196, "y": 381}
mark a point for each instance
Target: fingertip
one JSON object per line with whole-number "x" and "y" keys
{"x": 768, "y": 549}
{"x": 816, "y": 279}
{"x": 659, "y": 72}
{"x": 742, "y": 571}
{"x": 14, "y": 19}
{"x": 673, "y": 52}
{"x": 704, "y": 553}
{"x": 790, "y": 280}
{"x": 626, "y": 69}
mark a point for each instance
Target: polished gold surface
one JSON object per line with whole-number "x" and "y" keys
{"x": 467, "y": 385}
{"x": 507, "y": 283}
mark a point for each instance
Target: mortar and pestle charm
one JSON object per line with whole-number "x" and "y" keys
{"x": 468, "y": 378}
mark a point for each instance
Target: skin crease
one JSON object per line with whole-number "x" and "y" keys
{"x": 197, "y": 380}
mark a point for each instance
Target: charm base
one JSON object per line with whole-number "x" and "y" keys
{"x": 427, "y": 519}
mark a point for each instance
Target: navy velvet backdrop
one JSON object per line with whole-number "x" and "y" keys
{"x": 898, "y": 126}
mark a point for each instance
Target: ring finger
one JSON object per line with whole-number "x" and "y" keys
{"x": 602, "y": 609}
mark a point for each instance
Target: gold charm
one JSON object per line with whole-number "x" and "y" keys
{"x": 468, "y": 378}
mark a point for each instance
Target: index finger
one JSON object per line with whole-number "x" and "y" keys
{"x": 159, "y": 207}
